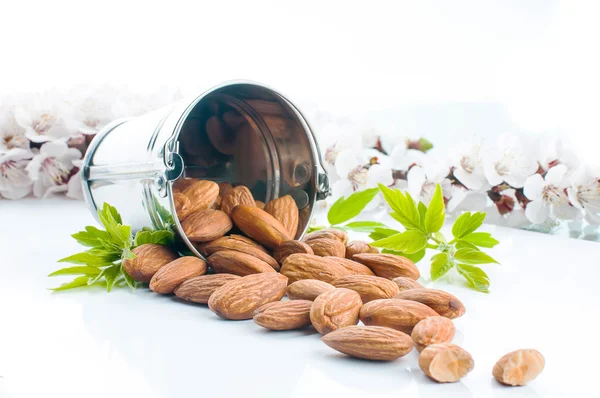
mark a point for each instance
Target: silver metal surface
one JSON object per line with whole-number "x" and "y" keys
{"x": 264, "y": 142}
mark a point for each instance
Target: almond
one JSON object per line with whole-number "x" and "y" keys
{"x": 370, "y": 342}
{"x": 388, "y": 266}
{"x": 519, "y": 367}
{"x": 239, "y": 195}
{"x": 233, "y": 119}
{"x": 358, "y": 247}
{"x": 327, "y": 247}
{"x": 433, "y": 330}
{"x": 398, "y": 314}
{"x": 239, "y": 298}
{"x": 202, "y": 195}
{"x": 307, "y": 289}
{"x": 335, "y": 309}
{"x": 237, "y": 263}
{"x": 206, "y": 225}
{"x": 369, "y": 287}
{"x": 405, "y": 283}
{"x": 327, "y": 233}
{"x": 355, "y": 268}
{"x": 198, "y": 289}
{"x": 440, "y": 301}
{"x": 175, "y": 273}
{"x": 224, "y": 187}
{"x": 259, "y": 225}
{"x": 260, "y": 204}
{"x": 445, "y": 362}
{"x": 233, "y": 243}
{"x": 285, "y": 210}
{"x": 181, "y": 184}
{"x": 149, "y": 258}
{"x": 220, "y": 136}
{"x": 183, "y": 205}
{"x": 284, "y": 315}
{"x": 290, "y": 247}
{"x": 308, "y": 266}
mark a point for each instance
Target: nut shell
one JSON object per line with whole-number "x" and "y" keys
{"x": 398, "y": 314}
{"x": 327, "y": 247}
{"x": 369, "y": 287}
{"x": 388, "y": 266}
{"x": 290, "y": 247}
{"x": 284, "y": 315}
{"x": 440, "y": 301}
{"x": 358, "y": 247}
{"x": 307, "y": 266}
{"x": 285, "y": 210}
{"x": 206, "y": 225}
{"x": 370, "y": 342}
{"x": 175, "y": 273}
{"x": 259, "y": 225}
{"x": 149, "y": 258}
{"x": 307, "y": 289}
{"x": 445, "y": 362}
{"x": 199, "y": 288}
{"x": 519, "y": 367}
{"x": 335, "y": 309}
{"x": 433, "y": 330}
{"x": 237, "y": 263}
{"x": 239, "y": 195}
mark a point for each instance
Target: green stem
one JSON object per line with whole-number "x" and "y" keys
{"x": 436, "y": 241}
{"x": 430, "y": 246}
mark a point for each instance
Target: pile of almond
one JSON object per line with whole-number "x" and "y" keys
{"x": 331, "y": 284}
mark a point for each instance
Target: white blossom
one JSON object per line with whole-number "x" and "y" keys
{"x": 547, "y": 196}
{"x": 50, "y": 169}
{"x": 552, "y": 151}
{"x": 11, "y": 134}
{"x": 584, "y": 193}
{"x": 403, "y": 158}
{"x": 468, "y": 166}
{"x": 14, "y": 180}
{"x": 74, "y": 188}
{"x": 510, "y": 162}
{"x": 95, "y": 107}
{"x": 423, "y": 180}
{"x": 46, "y": 118}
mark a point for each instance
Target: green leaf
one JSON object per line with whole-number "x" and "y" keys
{"x": 85, "y": 270}
{"x": 380, "y": 233}
{"x": 404, "y": 208}
{"x": 410, "y": 241}
{"x": 346, "y": 208}
{"x": 364, "y": 226}
{"x": 476, "y": 277}
{"x": 434, "y": 219}
{"x": 462, "y": 244}
{"x": 77, "y": 282}
{"x": 92, "y": 236}
{"x": 127, "y": 254}
{"x": 111, "y": 275}
{"x": 315, "y": 228}
{"x": 414, "y": 257}
{"x": 482, "y": 239}
{"x": 422, "y": 214}
{"x": 471, "y": 256}
{"x": 425, "y": 145}
{"x": 441, "y": 263}
{"x": 161, "y": 237}
{"x": 110, "y": 218}
{"x": 164, "y": 214}
{"x": 93, "y": 258}
{"x": 129, "y": 280}
{"x": 440, "y": 236}
{"x": 467, "y": 223}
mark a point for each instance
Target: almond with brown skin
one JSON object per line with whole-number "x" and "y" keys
{"x": 355, "y": 268}
{"x": 290, "y": 247}
{"x": 202, "y": 195}
{"x": 358, "y": 247}
{"x": 181, "y": 184}
{"x": 519, "y": 367}
{"x": 237, "y": 263}
{"x": 183, "y": 205}
{"x": 440, "y": 301}
{"x": 397, "y": 314}
{"x": 175, "y": 273}
{"x": 388, "y": 266}
{"x": 220, "y": 136}
{"x": 375, "y": 343}
{"x": 432, "y": 330}
{"x": 308, "y": 266}
{"x": 285, "y": 210}
{"x": 335, "y": 309}
{"x": 307, "y": 289}
{"x": 239, "y": 195}
{"x": 206, "y": 225}
{"x": 235, "y": 244}
{"x": 239, "y": 298}
{"x": 445, "y": 362}
{"x": 284, "y": 315}
{"x": 405, "y": 283}
{"x": 198, "y": 289}
{"x": 149, "y": 258}
{"x": 327, "y": 233}
{"x": 224, "y": 187}
{"x": 369, "y": 287}
{"x": 260, "y": 204}
{"x": 259, "y": 225}
{"x": 327, "y": 247}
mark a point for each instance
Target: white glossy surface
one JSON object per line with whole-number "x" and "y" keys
{"x": 124, "y": 344}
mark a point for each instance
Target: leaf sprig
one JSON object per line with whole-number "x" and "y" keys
{"x": 102, "y": 262}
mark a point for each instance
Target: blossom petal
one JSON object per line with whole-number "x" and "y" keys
{"x": 469, "y": 180}
{"x": 556, "y": 175}
{"x": 54, "y": 149}
{"x": 537, "y": 211}
{"x": 533, "y": 187}
{"x": 566, "y": 212}
{"x": 490, "y": 172}
{"x": 346, "y": 162}
{"x": 415, "y": 178}
{"x": 378, "y": 174}
{"x": 341, "y": 188}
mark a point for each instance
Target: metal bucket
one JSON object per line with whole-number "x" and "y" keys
{"x": 261, "y": 140}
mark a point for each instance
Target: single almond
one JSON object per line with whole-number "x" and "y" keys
{"x": 149, "y": 258}
{"x": 239, "y": 195}
{"x": 285, "y": 210}
{"x": 220, "y": 136}
{"x": 238, "y": 245}
{"x": 445, "y": 362}
{"x": 224, "y": 187}
{"x": 202, "y": 195}
{"x": 259, "y": 225}
{"x": 335, "y": 309}
{"x": 388, "y": 266}
{"x": 519, "y": 367}
{"x": 308, "y": 266}
{"x": 182, "y": 183}
{"x": 355, "y": 268}
{"x": 260, "y": 204}
{"x": 327, "y": 233}
{"x": 369, "y": 287}
{"x": 398, "y": 314}
{"x": 440, "y": 301}
{"x": 370, "y": 342}
{"x": 358, "y": 247}
{"x": 432, "y": 330}
{"x": 206, "y": 225}
{"x": 290, "y": 247}
{"x": 239, "y": 298}
{"x": 175, "y": 273}
{"x": 327, "y": 247}
{"x": 307, "y": 289}
{"x": 198, "y": 289}
{"x": 183, "y": 205}
{"x": 237, "y": 263}
{"x": 405, "y": 283}
{"x": 284, "y": 315}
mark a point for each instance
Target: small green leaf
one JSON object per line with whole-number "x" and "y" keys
{"x": 345, "y": 209}
{"x": 414, "y": 257}
{"x": 77, "y": 282}
{"x": 434, "y": 219}
{"x": 471, "y": 256}
{"x": 160, "y": 237}
{"x": 404, "y": 208}
{"x": 92, "y": 236}
{"x": 422, "y": 214}
{"x": 475, "y": 276}
{"x": 364, "y": 226}
{"x": 425, "y": 145}
{"x": 441, "y": 263}
{"x": 440, "y": 237}
{"x": 111, "y": 275}
{"x": 380, "y": 233}
{"x": 85, "y": 270}
{"x": 482, "y": 239}
{"x": 467, "y": 223}
{"x": 462, "y": 244}
{"x": 410, "y": 241}
{"x": 93, "y": 258}
{"x": 315, "y": 228}
{"x": 127, "y": 254}
{"x": 129, "y": 280}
